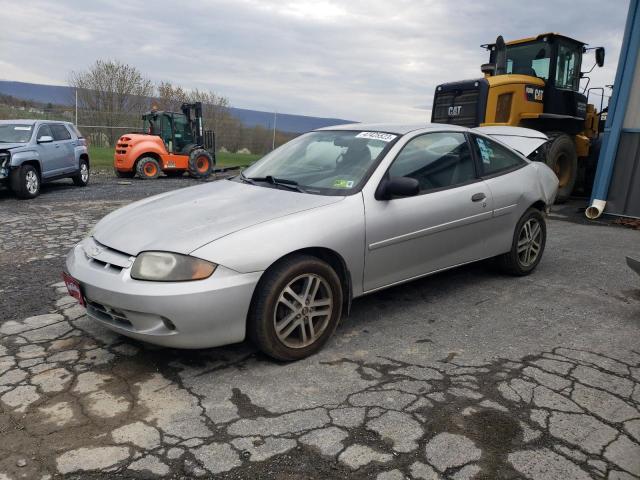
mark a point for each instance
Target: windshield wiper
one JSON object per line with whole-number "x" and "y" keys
{"x": 280, "y": 182}
{"x": 246, "y": 179}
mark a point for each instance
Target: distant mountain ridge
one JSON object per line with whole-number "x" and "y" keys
{"x": 63, "y": 95}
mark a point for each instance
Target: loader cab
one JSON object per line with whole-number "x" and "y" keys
{"x": 554, "y": 58}
{"x": 173, "y": 128}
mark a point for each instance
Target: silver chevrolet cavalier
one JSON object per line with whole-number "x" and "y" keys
{"x": 277, "y": 253}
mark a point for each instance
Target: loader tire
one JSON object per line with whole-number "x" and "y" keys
{"x": 562, "y": 158}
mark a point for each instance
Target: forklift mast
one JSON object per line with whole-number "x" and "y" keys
{"x": 196, "y": 121}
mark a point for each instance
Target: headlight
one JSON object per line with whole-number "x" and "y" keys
{"x": 170, "y": 267}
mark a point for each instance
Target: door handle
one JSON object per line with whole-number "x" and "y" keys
{"x": 478, "y": 197}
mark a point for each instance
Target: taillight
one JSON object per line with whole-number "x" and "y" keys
{"x": 125, "y": 139}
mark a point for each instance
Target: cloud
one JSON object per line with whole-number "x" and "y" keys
{"x": 363, "y": 60}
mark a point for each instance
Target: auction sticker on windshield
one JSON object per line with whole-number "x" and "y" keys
{"x": 385, "y": 137}
{"x": 343, "y": 184}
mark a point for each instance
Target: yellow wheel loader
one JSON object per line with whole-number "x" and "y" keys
{"x": 535, "y": 83}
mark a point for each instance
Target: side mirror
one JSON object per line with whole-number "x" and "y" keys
{"x": 397, "y": 187}
{"x": 600, "y": 56}
{"x": 45, "y": 139}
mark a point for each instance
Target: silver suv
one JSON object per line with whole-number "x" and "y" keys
{"x": 33, "y": 152}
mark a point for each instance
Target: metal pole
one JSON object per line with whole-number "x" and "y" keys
{"x": 273, "y": 140}
{"x": 76, "y": 106}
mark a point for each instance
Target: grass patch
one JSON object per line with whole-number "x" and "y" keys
{"x": 102, "y": 157}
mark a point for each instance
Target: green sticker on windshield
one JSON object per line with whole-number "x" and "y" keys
{"x": 343, "y": 184}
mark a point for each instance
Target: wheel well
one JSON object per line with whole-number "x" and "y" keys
{"x": 539, "y": 205}
{"x": 336, "y": 262}
{"x": 84, "y": 156}
{"x": 35, "y": 164}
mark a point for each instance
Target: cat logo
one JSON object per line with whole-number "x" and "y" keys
{"x": 455, "y": 110}
{"x": 534, "y": 94}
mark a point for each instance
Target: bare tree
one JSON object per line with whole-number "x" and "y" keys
{"x": 170, "y": 97}
{"x": 111, "y": 93}
{"x": 215, "y": 111}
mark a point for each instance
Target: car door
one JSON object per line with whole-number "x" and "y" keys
{"x": 505, "y": 174}
{"x": 51, "y": 159}
{"x": 66, "y": 147}
{"x": 446, "y": 224}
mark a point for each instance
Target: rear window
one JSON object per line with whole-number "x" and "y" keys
{"x": 59, "y": 132}
{"x": 495, "y": 158}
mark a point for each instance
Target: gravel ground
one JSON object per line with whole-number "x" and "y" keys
{"x": 466, "y": 374}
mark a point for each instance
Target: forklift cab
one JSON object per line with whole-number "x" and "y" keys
{"x": 173, "y": 128}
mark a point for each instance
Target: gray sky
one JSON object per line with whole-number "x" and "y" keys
{"x": 370, "y": 61}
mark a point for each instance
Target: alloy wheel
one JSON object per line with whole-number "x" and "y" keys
{"x": 303, "y": 311}
{"x": 529, "y": 242}
{"x": 84, "y": 172}
{"x": 32, "y": 181}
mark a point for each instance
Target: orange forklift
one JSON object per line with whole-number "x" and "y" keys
{"x": 171, "y": 142}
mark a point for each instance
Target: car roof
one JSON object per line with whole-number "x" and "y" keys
{"x": 19, "y": 122}
{"x": 397, "y": 128}
{"x": 31, "y": 122}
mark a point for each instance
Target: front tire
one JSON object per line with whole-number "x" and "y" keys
{"x": 527, "y": 247}
{"x": 81, "y": 179}
{"x": 296, "y": 308}
{"x": 201, "y": 163}
{"x": 25, "y": 182}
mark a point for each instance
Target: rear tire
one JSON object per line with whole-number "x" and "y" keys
{"x": 527, "y": 247}
{"x": 148, "y": 168}
{"x": 562, "y": 158}
{"x": 25, "y": 182}
{"x": 296, "y": 308}
{"x": 81, "y": 179}
{"x": 200, "y": 163}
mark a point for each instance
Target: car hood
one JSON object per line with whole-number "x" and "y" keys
{"x": 184, "y": 220}
{"x": 10, "y": 146}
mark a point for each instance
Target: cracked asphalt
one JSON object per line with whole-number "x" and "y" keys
{"x": 465, "y": 374}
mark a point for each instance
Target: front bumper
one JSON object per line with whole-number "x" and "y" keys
{"x": 199, "y": 314}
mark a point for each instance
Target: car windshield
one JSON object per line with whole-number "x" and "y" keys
{"x": 15, "y": 133}
{"x": 325, "y": 162}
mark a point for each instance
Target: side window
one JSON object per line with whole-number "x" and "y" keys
{"x": 567, "y": 68}
{"x": 44, "y": 131}
{"x": 436, "y": 160}
{"x": 60, "y": 132}
{"x": 495, "y": 158}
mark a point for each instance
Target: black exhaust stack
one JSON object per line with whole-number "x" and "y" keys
{"x": 501, "y": 56}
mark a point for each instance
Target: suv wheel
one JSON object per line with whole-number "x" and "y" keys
{"x": 296, "y": 308}
{"x": 81, "y": 179}
{"x": 25, "y": 182}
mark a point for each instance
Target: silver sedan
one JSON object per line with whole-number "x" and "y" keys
{"x": 277, "y": 253}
